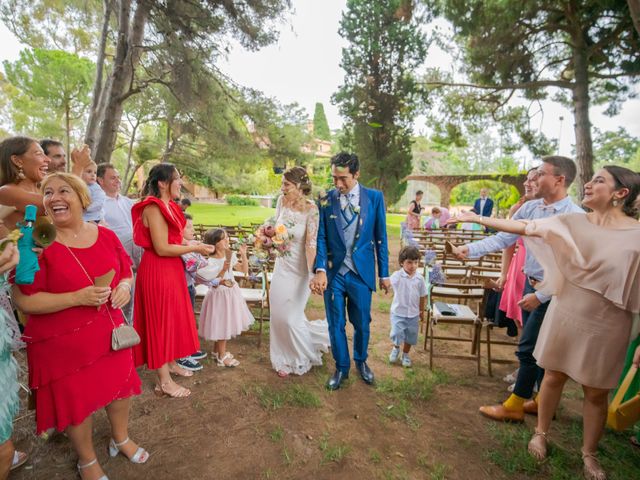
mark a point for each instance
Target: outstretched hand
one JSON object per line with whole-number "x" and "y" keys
{"x": 464, "y": 217}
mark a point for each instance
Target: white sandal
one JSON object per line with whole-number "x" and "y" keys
{"x": 87, "y": 465}
{"x": 232, "y": 362}
{"x": 141, "y": 455}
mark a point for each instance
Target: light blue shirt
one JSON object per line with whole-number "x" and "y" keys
{"x": 353, "y": 197}
{"x": 95, "y": 211}
{"x": 531, "y": 210}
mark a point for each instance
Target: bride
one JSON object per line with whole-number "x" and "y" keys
{"x": 296, "y": 344}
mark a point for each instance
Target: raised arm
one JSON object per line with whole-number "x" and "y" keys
{"x": 510, "y": 226}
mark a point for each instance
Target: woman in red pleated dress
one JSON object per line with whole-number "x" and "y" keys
{"x": 162, "y": 308}
{"x": 73, "y": 370}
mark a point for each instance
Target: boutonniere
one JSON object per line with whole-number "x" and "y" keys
{"x": 356, "y": 209}
{"x": 324, "y": 200}
{"x": 333, "y": 217}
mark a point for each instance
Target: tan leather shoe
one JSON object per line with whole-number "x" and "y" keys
{"x": 530, "y": 407}
{"x": 501, "y": 414}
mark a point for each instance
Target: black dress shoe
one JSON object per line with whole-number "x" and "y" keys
{"x": 336, "y": 380}
{"x": 365, "y": 372}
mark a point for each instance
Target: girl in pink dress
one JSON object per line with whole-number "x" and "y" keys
{"x": 224, "y": 313}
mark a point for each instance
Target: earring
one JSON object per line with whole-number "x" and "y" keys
{"x": 615, "y": 203}
{"x": 20, "y": 173}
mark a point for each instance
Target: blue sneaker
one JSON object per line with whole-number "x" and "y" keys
{"x": 198, "y": 355}
{"x": 188, "y": 364}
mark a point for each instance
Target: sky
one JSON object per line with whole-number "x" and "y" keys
{"x": 304, "y": 67}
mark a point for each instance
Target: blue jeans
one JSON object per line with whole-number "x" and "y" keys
{"x": 529, "y": 373}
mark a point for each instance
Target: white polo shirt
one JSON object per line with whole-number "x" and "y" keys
{"x": 117, "y": 214}
{"x": 406, "y": 293}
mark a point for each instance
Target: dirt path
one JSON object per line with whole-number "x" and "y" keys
{"x": 247, "y": 423}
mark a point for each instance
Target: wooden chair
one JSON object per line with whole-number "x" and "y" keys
{"x": 467, "y": 298}
{"x": 256, "y": 294}
{"x": 488, "y": 341}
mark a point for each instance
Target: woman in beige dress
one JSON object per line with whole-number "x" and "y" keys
{"x": 593, "y": 271}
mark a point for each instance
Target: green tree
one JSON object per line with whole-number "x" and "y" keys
{"x": 588, "y": 50}
{"x": 320, "y": 124}
{"x": 616, "y": 148}
{"x": 52, "y": 89}
{"x": 146, "y": 42}
{"x": 380, "y": 95}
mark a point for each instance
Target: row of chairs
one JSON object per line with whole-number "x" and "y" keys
{"x": 468, "y": 286}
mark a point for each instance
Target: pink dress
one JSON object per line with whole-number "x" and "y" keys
{"x": 514, "y": 286}
{"x": 224, "y": 313}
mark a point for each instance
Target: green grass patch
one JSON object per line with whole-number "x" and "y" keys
{"x": 439, "y": 471}
{"x": 564, "y": 461}
{"x": 276, "y": 434}
{"x": 384, "y": 306}
{"x": 292, "y": 396}
{"x": 332, "y": 452}
{"x": 416, "y": 386}
{"x": 222, "y": 214}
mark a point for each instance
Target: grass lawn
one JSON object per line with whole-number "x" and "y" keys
{"x": 215, "y": 214}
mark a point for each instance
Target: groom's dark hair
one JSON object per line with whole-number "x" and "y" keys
{"x": 345, "y": 159}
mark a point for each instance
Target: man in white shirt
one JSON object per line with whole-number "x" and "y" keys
{"x": 117, "y": 215}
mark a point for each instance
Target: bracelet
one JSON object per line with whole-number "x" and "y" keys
{"x": 126, "y": 285}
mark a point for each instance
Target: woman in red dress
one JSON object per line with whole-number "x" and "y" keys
{"x": 72, "y": 369}
{"x": 162, "y": 308}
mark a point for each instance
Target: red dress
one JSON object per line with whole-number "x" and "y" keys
{"x": 163, "y": 315}
{"x": 72, "y": 370}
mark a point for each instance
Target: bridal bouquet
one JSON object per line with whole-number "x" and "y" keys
{"x": 273, "y": 239}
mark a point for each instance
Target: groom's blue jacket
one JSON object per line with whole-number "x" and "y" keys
{"x": 371, "y": 237}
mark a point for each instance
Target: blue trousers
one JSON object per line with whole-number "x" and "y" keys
{"x": 529, "y": 373}
{"x": 348, "y": 294}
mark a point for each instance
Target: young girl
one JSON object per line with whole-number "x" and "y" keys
{"x": 409, "y": 295}
{"x": 224, "y": 313}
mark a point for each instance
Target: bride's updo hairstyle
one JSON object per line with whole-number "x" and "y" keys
{"x": 299, "y": 177}
{"x": 625, "y": 178}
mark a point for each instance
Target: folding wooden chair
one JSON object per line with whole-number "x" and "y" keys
{"x": 466, "y": 299}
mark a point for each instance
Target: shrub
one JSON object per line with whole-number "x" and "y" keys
{"x": 238, "y": 201}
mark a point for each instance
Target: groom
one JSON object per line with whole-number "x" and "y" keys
{"x": 352, "y": 227}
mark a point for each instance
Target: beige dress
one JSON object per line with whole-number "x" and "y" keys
{"x": 594, "y": 274}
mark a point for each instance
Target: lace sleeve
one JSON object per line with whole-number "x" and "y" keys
{"x": 278, "y": 207}
{"x": 311, "y": 243}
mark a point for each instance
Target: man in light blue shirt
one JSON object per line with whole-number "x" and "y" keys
{"x": 554, "y": 178}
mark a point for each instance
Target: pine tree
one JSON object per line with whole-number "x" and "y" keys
{"x": 320, "y": 124}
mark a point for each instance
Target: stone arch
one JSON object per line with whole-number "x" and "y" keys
{"x": 446, "y": 183}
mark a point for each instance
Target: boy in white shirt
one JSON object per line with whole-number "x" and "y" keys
{"x": 409, "y": 296}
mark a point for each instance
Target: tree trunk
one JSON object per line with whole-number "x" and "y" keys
{"x": 130, "y": 36}
{"x": 67, "y": 126}
{"x": 634, "y": 8}
{"x": 98, "y": 91}
{"x": 582, "y": 126}
{"x": 127, "y": 180}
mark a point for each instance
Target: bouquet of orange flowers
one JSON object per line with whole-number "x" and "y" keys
{"x": 273, "y": 239}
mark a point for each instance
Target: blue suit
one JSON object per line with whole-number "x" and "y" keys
{"x": 351, "y": 290}
{"x": 487, "y": 210}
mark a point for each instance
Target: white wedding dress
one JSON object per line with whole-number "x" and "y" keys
{"x": 296, "y": 344}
